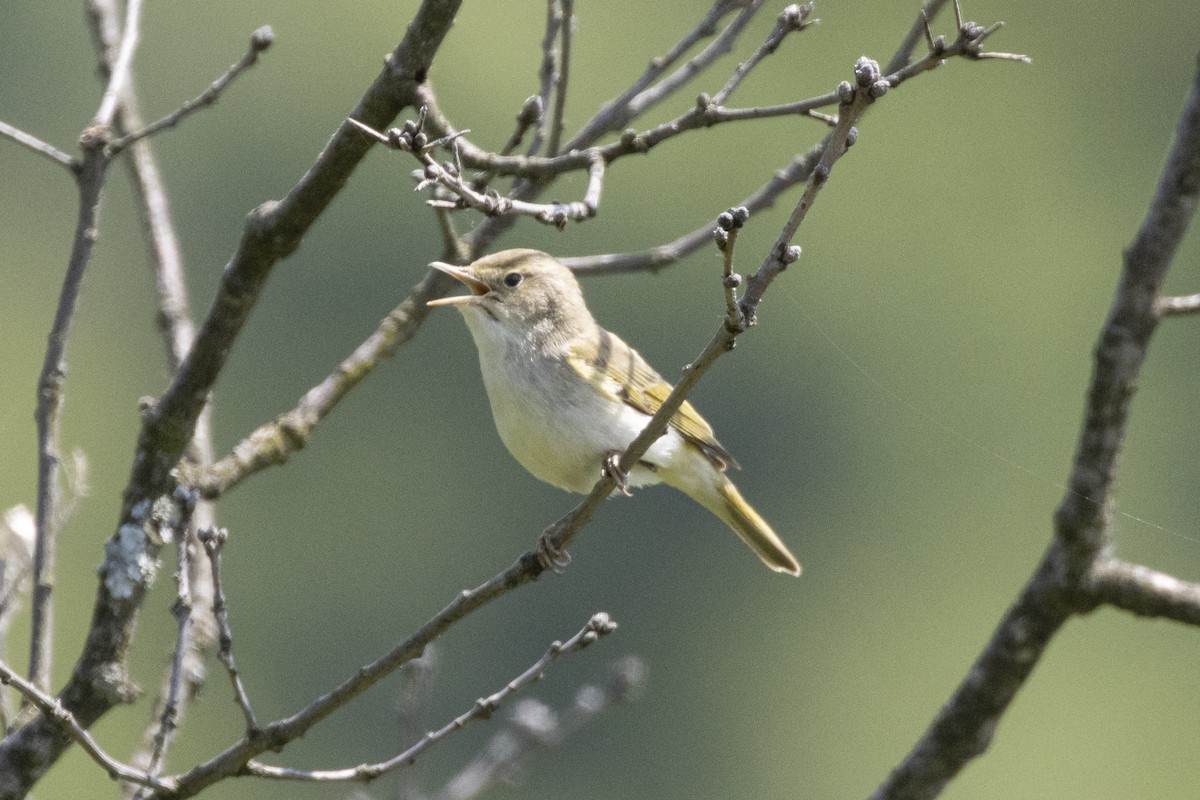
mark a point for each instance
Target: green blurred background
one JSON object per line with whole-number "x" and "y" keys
{"x": 905, "y": 412}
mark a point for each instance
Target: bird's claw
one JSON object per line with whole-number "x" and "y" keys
{"x": 612, "y": 468}
{"x": 550, "y": 555}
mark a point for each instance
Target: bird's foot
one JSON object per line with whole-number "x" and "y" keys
{"x": 612, "y": 468}
{"x": 550, "y": 554}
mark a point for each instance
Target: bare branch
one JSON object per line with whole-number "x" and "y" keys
{"x": 272, "y": 443}
{"x": 664, "y": 255}
{"x": 1075, "y": 575}
{"x": 550, "y": 72}
{"x": 1145, "y": 591}
{"x": 728, "y": 224}
{"x": 276, "y": 229}
{"x": 51, "y": 707}
{"x": 599, "y": 625}
{"x": 48, "y": 412}
{"x": 213, "y": 540}
{"x": 535, "y": 727}
{"x": 1177, "y": 306}
{"x": 38, "y": 146}
{"x": 121, "y": 74}
{"x": 794, "y": 18}
{"x": 278, "y": 733}
{"x": 259, "y": 42}
{"x": 561, "y": 78}
{"x": 631, "y": 105}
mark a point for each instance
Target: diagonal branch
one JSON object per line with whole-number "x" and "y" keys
{"x": 792, "y": 19}
{"x": 1075, "y": 575}
{"x": 51, "y": 707}
{"x": 260, "y": 41}
{"x": 644, "y": 94}
{"x": 38, "y": 146}
{"x": 599, "y": 625}
{"x": 272, "y": 443}
{"x": 278, "y": 733}
{"x": 664, "y": 255}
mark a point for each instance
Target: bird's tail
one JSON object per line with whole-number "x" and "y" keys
{"x": 723, "y": 499}
{"x": 753, "y": 529}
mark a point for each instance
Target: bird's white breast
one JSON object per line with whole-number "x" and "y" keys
{"x": 556, "y": 424}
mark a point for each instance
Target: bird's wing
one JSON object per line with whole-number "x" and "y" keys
{"x": 620, "y": 372}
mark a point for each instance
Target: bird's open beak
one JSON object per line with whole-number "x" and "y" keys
{"x": 476, "y": 286}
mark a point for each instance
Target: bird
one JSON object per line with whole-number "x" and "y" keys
{"x": 569, "y": 396}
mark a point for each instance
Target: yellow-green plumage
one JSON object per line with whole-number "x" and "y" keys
{"x": 566, "y": 393}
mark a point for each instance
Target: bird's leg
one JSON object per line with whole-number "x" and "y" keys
{"x": 612, "y": 468}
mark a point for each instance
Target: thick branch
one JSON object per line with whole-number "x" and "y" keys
{"x": 1075, "y": 576}
{"x": 273, "y": 231}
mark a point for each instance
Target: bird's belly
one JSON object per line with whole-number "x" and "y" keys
{"x": 562, "y": 433}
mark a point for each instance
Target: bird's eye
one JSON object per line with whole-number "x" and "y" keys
{"x": 512, "y": 279}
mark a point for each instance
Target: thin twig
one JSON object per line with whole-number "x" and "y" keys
{"x": 728, "y": 224}
{"x": 51, "y": 707}
{"x": 918, "y": 29}
{"x": 213, "y": 540}
{"x": 672, "y": 252}
{"x": 182, "y": 609}
{"x": 530, "y": 115}
{"x": 534, "y": 727}
{"x": 51, "y": 384}
{"x": 792, "y": 19}
{"x": 411, "y": 140}
{"x": 38, "y": 146}
{"x": 599, "y": 625}
{"x": 276, "y": 734}
{"x": 121, "y": 74}
{"x": 645, "y": 94}
{"x": 561, "y": 77}
{"x": 551, "y": 65}
{"x": 259, "y": 42}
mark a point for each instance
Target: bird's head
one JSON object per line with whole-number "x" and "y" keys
{"x": 525, "y": 292}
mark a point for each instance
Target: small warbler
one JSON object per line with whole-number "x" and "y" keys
{"x": 568, "y": 396}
